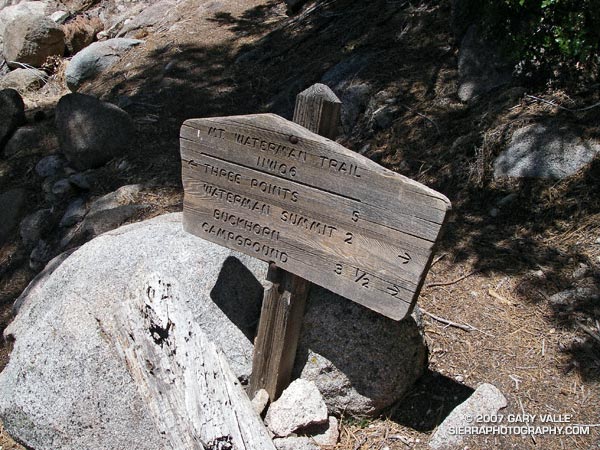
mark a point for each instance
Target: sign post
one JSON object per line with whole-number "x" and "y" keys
{"x": 272, "y": 189}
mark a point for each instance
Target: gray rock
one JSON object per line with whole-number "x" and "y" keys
{"x": 86, "y": 391}
{"x": 32, "y": 39}
{"x": 545, "y": 150}
{"x": 78, "y": 392}
{"x": 12, "y": 203}
{"x": 570, "y": 297}
{"x": 50, "y": 166}
{"x": 155, "y": 15}
{"x": 40, "y": 255}
{"x": 12, "y": 113}
{"x": 59, "y": 16}
{"x": 91, "y": 132}
{"x": 328, "y": 435}
{"x": 125, "y": 195}
{"x": 299, "y": 406}
{"x": 96, "y": 223}
{"x": 31, "y": 140}
{"x": 75, "y": 213}
{"x": 355, "y": 98}
{"x": 480, "y": 67}
{"x": 95, "y": 59}
{"x": 343, "y": 72}
{"x": 35, "y": 225}
{"x": 295, "y": 443}
{"x": 83, "y": 180}
{"x": 366, "y": 364}
{"x": 24, "y": 80}
{"x": 260, "y": 401}
{"x": 19, "y": 10}
{"x": 486, "y": 400}
{"x": 62, "y": 188}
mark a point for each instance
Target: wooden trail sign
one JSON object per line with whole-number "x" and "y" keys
{"x": 269, "y": 188}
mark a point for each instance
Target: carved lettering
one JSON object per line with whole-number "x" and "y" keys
{"x": 263, "y": 251}
{"x": 349, "y": 237}
{"x": 362, "y": 278}
{"x": 216, "y": 132}
{"x": 338, "y": 269}
{"x": 274, "y": 190}
{"x": 261, "y": 208}
{"x": 274, "y": 148}
{"x": 307, "y": 223}
{"x": 338, "y": 166}
{"x": 393, "y": 290}
{"x": 276, "y": 166}
{"x": 354, "y": 216}
{"x": 231, "y": 176}
{"x": 246, "y": 225}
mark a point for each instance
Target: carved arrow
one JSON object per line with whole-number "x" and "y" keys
{"x": 406, "y": 258}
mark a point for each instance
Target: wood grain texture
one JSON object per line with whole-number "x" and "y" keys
{"x": 318, "y": 110}
{"x": 278, "y": 332}
{"x": 272, "y": 189}
{"x": 183, "y": 378}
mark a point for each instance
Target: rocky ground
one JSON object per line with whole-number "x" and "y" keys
{"x": 512, "y": 296}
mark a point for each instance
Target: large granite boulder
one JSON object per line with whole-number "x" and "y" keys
{"x": 95, "y": 59}
{"x": 91, "y": 132}
{"x": 66, "y": 372}
{"x": 31, "y": 40}
{"x": 545, "y": 150}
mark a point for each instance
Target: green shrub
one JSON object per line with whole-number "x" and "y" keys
{"x": 548, "y": 37}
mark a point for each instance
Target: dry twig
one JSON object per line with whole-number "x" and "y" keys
{"x": 448, "y": 283}
{"x": 465, "y": 327}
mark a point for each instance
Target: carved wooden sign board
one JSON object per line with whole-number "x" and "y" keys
{"x": 268, "y": 187}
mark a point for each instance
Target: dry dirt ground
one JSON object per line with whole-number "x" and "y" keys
{"x": 493, "y": 274}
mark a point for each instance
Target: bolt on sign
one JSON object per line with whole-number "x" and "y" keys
{"x": 269, "y": 188}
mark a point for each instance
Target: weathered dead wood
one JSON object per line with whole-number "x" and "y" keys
{"x": 183, "y": 378}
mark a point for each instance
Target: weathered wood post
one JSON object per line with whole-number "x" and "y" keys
{"x": 318, "y": 110}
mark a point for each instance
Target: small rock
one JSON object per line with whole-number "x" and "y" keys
{"x": 35, "y": 225}
{"x": 574, "y": 295}
{"x": 50, "y": 166}
{"x": 95, "y": 59}
{"x": 260, "y": 401}
{"x": 62, "y": 187}
{"x": 295, "y": 443}
{"x": 580, "y": 272}
{"x": 75, "y": 213}
{"x": 59, "y": 16}
{"x": 327, "y": 435}
{"x": 32, "y": 39}
{"x": 299, "y": 406}
{"x": 125, "y": 195}
{"x": 486, "y": 400}
{"x": 31, "y": 140}
{"x": 494, "y": 212}
{"x": 12, "y": 203}
{"x": 83, "y": 180}
{"x": 24, "y": 80}
{"x": 91, "y": 132}
{"x": 41, "y": 254}
{"x": 355, "y": 99}
{"x": 459, "y": 378}
{"x": 12, "y": 113}
{"x": 156, "y": 14}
